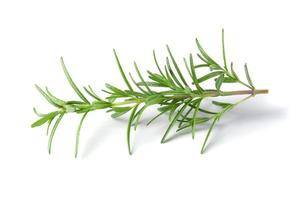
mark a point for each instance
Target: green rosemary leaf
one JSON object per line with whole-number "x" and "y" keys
{"x": 116, "y": 90}
{"x": 194, "y": 77}
{"x": 165, "y": 108}
{"x": 129, "y": 127}
{"x": 248, "y": 76}
{"x": 202, "y": 58}
{"x": 201, "y": 120}
{"x": 174, "y": 120}
{"x": 49, "y": 124}
{"x": 198, "y": 120}
{"x": 78, "y": 134}
{"x": 204, "y": 110}
{"x": 55, "y": 99}
{"x": 157, "y": 65}
{"x": 46, "y": 96}
{"x": 229, "y": 80}
{"x": 138, "y": 116}
{"x": 157, "y": 116}
{"x": 202, "y": 65}
{"x": 141, "y": 77}
{"x": 172, "y": 73}
{"x": 37, "y": 113}
{"x": 92, "y": 94}
{"x": 44, "y": 119}
{"x": 92, "y": 91}
{"x": 172, "y": 110}
{"x": 53, "y": 132}
{"x": 108, "y": 92}
{"x": 71, "y": 82}
{"x": 204, "y": 54}
{"x": 221, "y": 104}
{"x": 171, "y": 82}
{"x": 176, "y": 67}
{"x": 208, "y": 134}
{"x": 209, "y": 76}
{"x": 74, "y": 102}
{"x": 137, "y": 85}
{"x": 136, "y": 94}
{"x": 174, "y": 92}
{"x": 121, "y": 109}
{"x": 151, "y": 84}
{"x": 118, "y": 114}
{"x": 184, "y": 117}
{"x": 233, "y": 72}
{"x": 121, "y": 71}
{"x": 194, "y": 118}
{"x": 159, "y": 79}
{"x": 223, "y": 50}
{"x": 219, "y": 82}
{"x": 187, "y": 67}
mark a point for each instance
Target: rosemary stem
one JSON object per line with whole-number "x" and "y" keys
{"x": 205, "y": 94}
{"x": 137, "y": 100}
{"x": 243, "y": 92}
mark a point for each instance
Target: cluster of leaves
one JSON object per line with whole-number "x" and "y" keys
{"x": 168, "y": 89}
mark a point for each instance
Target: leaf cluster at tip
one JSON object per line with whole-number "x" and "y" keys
{"x": 174, "y": 94}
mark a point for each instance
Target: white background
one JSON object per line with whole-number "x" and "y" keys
{"x": 253, "y": 152}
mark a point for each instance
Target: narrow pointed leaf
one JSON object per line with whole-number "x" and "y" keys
{"x": 49, "y": 125}
{"x": 116, "y": 90}
{"x": 45, "y": 95}
{"x": 221, "y": 104}
{"x": 173, "y": 121}
{"x": 176, "y": 67}
{"x": 223, "y": 50}
{"x": 71, "y": 82}
{"x": 201, "y": 65}
{"x": 157, "y": 65}
{"x": 194, "y": 119}
{"x": 208, "y": 134}
{"x": 92, "y": 94}
{"x": 118, "y": 114}
{"x": 209, "y": 76}
{"x": 138, "y": 116}
{"x": 157, "y": 116}
{"x": 38, "y": 113}
{"x": 205, "y": 55}
{"x": 184, "y": 117}
{"x": 53, "y": 132}
{"x": 232, "y": 71}
{"x": 78, "y": 133}
{"x": 248, "y": 76}
{"x": 55, "y": 99}
{"x": 172, "y": 73}
{"x": 194, "y": 77}
{"x": 219, "y": 82}
{"x": 129, "y": 127}
{"x": 229, "y": 80}
{"x": 121, "y": 109}
{"x": 44, "y": 119}
{"x": 141, "y": 77}
{"x": 121, "y": 71}
{"x": 187, "y": 67}
{"x": 137, "y": 85}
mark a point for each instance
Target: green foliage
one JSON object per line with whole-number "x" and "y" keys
{"x": 167, "y": 89}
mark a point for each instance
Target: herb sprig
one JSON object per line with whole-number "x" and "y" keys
{"x": 167, "y": 89}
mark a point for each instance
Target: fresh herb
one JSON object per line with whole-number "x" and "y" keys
{"x": 168, "y": 90}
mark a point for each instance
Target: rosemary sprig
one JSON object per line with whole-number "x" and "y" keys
{"x": 167, "y": 90}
